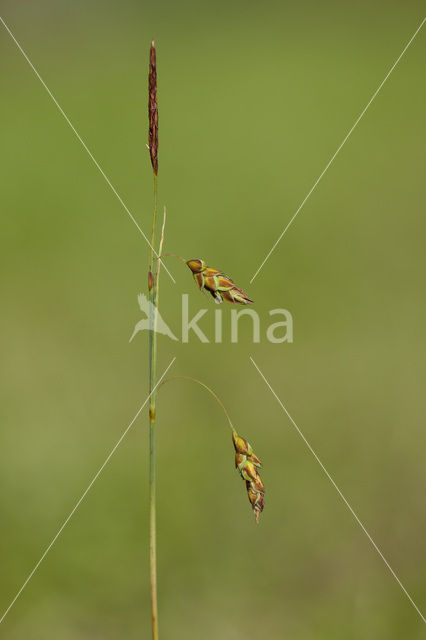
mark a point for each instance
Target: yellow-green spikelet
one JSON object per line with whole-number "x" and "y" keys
{"x": 217, "y": 283}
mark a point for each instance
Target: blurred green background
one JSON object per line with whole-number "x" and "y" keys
{"x": 254, "y": 99}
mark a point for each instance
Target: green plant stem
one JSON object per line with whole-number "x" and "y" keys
{"x": 153, "y": 297}
{"x": 220, "y": 403}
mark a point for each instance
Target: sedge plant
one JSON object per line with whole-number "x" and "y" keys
{"x": 221, "y": 287}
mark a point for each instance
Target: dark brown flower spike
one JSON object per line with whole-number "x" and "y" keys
{"x": 153, "y": 109}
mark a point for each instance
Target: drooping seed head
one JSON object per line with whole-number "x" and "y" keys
{"x": 248, "y": 464}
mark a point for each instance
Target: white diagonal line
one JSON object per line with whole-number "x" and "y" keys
{"x": 339, "y": 149}
{"x": 84, "y": 494}
{"x": 340, "y": 493}
{"x": 80, "y": 139}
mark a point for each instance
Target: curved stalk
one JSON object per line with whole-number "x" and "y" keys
{"x": 174, "y": 255}
{"x": 247, "y": 463}
{"x": 218, "y": 400}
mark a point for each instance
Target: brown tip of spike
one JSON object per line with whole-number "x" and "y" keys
{"x": 150, "y": 280}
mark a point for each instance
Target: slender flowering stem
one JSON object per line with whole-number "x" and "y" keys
{"x": 221, "y": 287}
{"x": 153, "y": 279}
{"x": 152, "y": 456}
